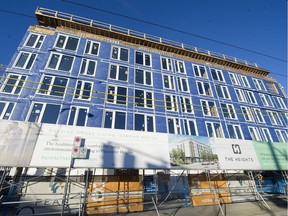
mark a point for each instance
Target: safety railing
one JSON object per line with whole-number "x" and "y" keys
{"x": 93, "y": 23}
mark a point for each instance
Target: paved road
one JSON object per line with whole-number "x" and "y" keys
{"x": 278, "y": 208}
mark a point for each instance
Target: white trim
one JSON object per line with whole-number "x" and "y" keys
{"x": 87, "y": 66}
{"x": 36, "y": 41}
{"x": 66, "y": 41}
{"x": 119, "y": 53}
{"x": 90, "y": 48}
{"x": 77, "y": 108}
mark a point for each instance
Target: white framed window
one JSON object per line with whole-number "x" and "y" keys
{"x": 44, "y": 113}
{"x": 173, "y": 126}
{"x": 274, "y": 118}
{"x": 78, "y": 116}
{"x": 92, "y": 47}
{"x": 67, "y": 42}
{"x": 180, "y": 66}
{"x": 143, "y": 77}
{"x": 120, "y": 53}
{"x": 284, "y": 116}
{"x": 251, "y": 98}
{"x": 183, "y": 84}
{"x": 88, "y": 67}
{"x": 258, "y": 115}
{"x": 209, "y": 108}
{"x": 53, "y": 85}
{"x": 60, "y": 62}
{"x": 280, "y": 102}
{"x": 117, "y": 95}
{"x": 143, "y": 98}
{"x": 200, "y": 71}
{"x": 266, "y": 100}
{"x": 254, "y": 133}
{"x": 83, "y": 90}
{"x": 234, "y": 79}
{"x": 168, "y": 82}
{"x": 272, "y": 87}
{"x": 247, "y": 114}
{"x": 204, "y": 88}
{"x": 266, "y": 135}
{"x": 259, "y": 84}
{"x": 143, "y": 58}
{"x": 115, "y": 120}
{"x": 217, "y": 75}
{"x": 281, "y": 135}
{"x": 244, "y": 81}
{"x": 144, "y": 122}
{"x": 34, "y": 40}
{"x": 186, "y": 105}
{"x": 190, "y": 127}
{"x": 166, "y": 63}
{"x": 235, "y": 131}
{"x": 214, "y": 129}
{"x": 13, "y": 84}
{"x": 118, "y": 72}
{"x": 171, "y": 102}
{"x": 228, "y": 111}
{"x": 240, "y": 95}
{"x": 6, "y": 109}
{"x": 222, "y": 92}
{"x": 25, "y": 60}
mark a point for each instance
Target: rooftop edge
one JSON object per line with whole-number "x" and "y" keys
{"x": 52, "y": 18}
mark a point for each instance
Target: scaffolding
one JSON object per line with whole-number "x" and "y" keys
{"x": 75, "y": 196}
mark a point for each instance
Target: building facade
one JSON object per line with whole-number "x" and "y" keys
{"x": 193, "y": 151}
{"x": 75, "y": 71}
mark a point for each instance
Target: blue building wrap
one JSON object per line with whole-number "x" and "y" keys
{"x": 184, "y": 95}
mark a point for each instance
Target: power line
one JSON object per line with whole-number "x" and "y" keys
{"x": 176, "y": 30}
{"x": 167, "y": 105}
{"x": 16, "y": 13}
{"x": 25, "y": 15}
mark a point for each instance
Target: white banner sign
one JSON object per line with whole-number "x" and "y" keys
{"x": 236, "y": 154}
{"x": 17, "y": 142}
{"x": 106, "y": 148}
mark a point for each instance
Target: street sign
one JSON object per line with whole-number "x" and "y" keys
{"x": 78, "y": 152}
{"x": 77, "y": 141}
{"x": 75, "y": 152}
{"x": 82, "y": 153}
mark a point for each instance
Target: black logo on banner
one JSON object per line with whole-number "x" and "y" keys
{"x": 236, "y": 149}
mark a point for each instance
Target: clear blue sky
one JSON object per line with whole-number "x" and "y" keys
{"x": 258, "y": 25}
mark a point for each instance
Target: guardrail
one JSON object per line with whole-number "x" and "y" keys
{"x": 94, "y": 23}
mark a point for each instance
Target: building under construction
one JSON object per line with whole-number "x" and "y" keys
{"x": 91, "y": 114}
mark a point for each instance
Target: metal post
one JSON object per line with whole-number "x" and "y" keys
{"x": 79, "y": 210}
{"x": 212, "y": 191}
{"x": 66, "y": 187}
{"x": 156, "y": 186}
{"x": 155, "y": 207}
{"x": 185, "y": 191}
{"x": 85, "y": 194}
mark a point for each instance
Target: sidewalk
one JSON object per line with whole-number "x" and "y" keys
{"x": 278, "y": 208}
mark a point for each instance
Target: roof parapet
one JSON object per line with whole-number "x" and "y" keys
{"x": 52, "y": 18}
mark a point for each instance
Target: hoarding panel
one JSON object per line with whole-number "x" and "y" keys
{"x": 236, "y": 154}
{"x": 272, "y": 155}
{"x": 205, "y": 192}
{"x": 107, "y": 148}
{"x": 17, "y": 142}
{"x": 112, "y": 194}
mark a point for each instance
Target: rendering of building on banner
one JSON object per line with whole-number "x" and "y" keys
{"x": 136, "y": 103}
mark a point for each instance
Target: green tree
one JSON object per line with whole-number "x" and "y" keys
{"x": 177, "y": 155}
{"x": 208, "y": 156}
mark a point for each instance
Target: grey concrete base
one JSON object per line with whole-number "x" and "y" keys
{"x": 278, "y": 208}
